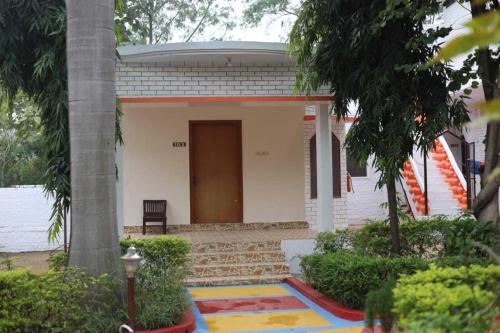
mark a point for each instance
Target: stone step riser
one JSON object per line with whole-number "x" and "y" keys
{"x": 235, "y": 281}
{"x": 206, "y": 271}
{"x": 221, "y": 227}
{"x": 237, "y": 258}
{"x": 217, "y": 247}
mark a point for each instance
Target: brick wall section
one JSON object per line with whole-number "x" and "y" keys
{"x": 133, "y": 80}
{"x": 339, "y": 220}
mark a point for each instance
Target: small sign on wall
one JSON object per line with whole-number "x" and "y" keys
{"x": 179, "y": 144}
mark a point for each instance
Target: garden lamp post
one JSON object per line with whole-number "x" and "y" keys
{"x": 131, "y": 262}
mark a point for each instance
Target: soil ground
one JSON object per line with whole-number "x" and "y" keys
{"x": 35, "y": 261}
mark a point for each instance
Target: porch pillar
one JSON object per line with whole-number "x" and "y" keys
{"x": 324, "y": 167}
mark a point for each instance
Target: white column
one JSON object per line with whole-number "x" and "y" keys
{"x": 324, "y": 167}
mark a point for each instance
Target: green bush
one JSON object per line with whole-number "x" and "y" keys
{"x": 160, "y": 295}
{"x": 465, "y": 233}
{"x": 161, "y": 298}
{"x": 438, "y": 237}
{"x": 379, "y": 304}
{"x": 448, "y": 299}
{"x": 58, "y": 260}
{"x": 163, "y": 251}
{"x": 69, "y": 301}
{"x": 348, "y": 277}
{"x": 335, "y": 241}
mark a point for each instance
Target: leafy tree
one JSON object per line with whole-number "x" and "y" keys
{"x": 21, "y": 143}
{"x": 155, "y": 21}
{"x": 483, "y": 62}
{"x": 258, "y": 9}
{"x": 33, "y": 61}
{"x": 373, "y": 55}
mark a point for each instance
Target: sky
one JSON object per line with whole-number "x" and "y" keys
{"x": 272, "y": 28}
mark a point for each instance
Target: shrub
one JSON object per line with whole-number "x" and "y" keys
{"x": 463, "y": 235}
{"x": 58, "y": 260}
{"x": 69, "y": 301}
{"x": 160, "y": 296}
{"x": 163, "y": 251}
{"x": 431, "y": 238}
{"x": 161, "y": 299}
{"x": 379, "y": 304}
{"x": 335, "y": 241}
{"x": 348, "y": 277}
{"x": 448, "y": 299}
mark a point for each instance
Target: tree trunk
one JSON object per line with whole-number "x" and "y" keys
{"x": 393, "y": 216}
{"x": 485, "y": 205}
{"x": 91, "y": 90}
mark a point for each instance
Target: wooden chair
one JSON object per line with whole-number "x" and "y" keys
{"x": 154, "y": 211}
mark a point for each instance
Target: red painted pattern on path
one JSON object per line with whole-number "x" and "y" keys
{"x": 250, "y": 304}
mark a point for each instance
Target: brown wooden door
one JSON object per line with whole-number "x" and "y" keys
{"x": 216, "y": 171}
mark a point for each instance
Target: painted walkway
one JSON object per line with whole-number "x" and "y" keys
{"x": 267, "y": 308}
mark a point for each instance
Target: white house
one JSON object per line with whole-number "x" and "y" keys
{"x": 215, "y": 129}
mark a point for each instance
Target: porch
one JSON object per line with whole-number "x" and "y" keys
{"x": 244, "y": 160}
{"x": 231, "y": 254}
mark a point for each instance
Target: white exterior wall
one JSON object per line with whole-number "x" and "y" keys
{"x": 340, "y": 218}
{"x": 273, "y": 167}
{"x": 365, "y": 198}
{"x": 157, "y": 80}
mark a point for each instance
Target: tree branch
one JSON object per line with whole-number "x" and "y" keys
{"x": 197, "y": 27}
{"x": 486, "y": 194}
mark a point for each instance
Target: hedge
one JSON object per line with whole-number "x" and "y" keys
{"x": 164, "y": 251}
{"x": 448, "y": 299}
{"x": 69, "y": 301}
{"x": 348, "y": 277}
{"x": 161, "y": 299}
{"x": 437, "y": 237}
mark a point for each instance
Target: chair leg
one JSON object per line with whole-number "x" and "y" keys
{"x": 165, "y": 227}
{"x": 143, "y": 227}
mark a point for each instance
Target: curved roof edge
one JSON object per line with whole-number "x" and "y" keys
{"x": 214, "y": 52}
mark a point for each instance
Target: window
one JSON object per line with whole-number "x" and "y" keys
{"x": 354, "y": 169}
{"x": 335, "y": 167}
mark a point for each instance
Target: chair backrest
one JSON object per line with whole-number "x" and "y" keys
{"x": 155, "y": 208}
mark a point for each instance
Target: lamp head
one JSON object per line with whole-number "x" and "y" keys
{"x": 131, "y": 261}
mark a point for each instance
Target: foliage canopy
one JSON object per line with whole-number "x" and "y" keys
{"x": 373, "y": 57}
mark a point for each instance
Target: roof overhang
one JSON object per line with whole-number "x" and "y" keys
{"x": 174, "y": 102}
{"x": 215, "y": 53}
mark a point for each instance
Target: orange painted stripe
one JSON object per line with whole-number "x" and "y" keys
{"x": 215, "y": 99}
{"x": 347, "y": 119}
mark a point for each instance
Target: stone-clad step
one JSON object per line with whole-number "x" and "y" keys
{"x": 236, "y": 246}
{"x": 247, "y": 269}
{"x": 203, "y": 227}
{"x": 218, "y": 258}
{"x": 237, "y": 262}
{"x": 235, "y": 280}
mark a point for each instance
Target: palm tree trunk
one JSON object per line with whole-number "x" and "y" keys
{"x": 91, "y": 83}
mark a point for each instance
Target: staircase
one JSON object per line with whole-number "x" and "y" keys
{"x": 446, "y": 195}
{"x": 242, "y": 256}
{"x": 415, "y": 188}
{"x": 232, "y": 263}
{"x": 451, "y": 178}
